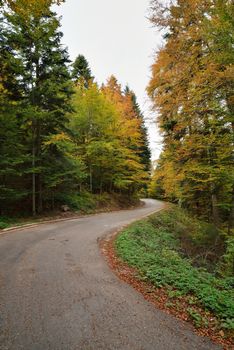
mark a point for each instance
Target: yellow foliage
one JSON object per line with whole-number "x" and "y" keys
{"x": 27, "y": 8}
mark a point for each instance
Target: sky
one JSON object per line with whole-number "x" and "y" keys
{"x": 116, "y": 38}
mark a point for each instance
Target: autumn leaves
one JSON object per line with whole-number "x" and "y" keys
{"x": 192, "y": 90}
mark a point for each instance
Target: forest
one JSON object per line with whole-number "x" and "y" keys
{"x": 67, "y": 140}
{"x": 63, "y": 138}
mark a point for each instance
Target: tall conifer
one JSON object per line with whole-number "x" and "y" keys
{"x": 43, "y": 88}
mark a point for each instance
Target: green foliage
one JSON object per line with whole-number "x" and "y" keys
{"x": 81, "y": 73}
{"x": 200, "y": 241}
{"x": 228, "y": 324}
{"x": 60, "y": 132}
{"x": 36, "y": 82}
{"x": 3, "y": 224}
{"x": 107, "y": 142}
{"x": 83, "y": 201}
{"x": 226, "y": 266}
{"x": 154, "y": 247}
{"x": 197, "y": 318}
{"x": 6, "y": 221}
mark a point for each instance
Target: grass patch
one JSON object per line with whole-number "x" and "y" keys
{"x": 165, "y": 248}
{"x": 83, "y": 201}
{"x": 6, "y": 222}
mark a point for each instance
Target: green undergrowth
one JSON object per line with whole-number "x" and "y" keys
{"x": 165, "y": 249}
{"x": 6, "y": 222}
{"x": 83, "y": 201}
{"x": 88, "y": 203}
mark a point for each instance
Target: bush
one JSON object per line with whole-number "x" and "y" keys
{"x": 83, "y": 201}
{"x": 226, "y": 266}
{"x": 200, "y": 241}
{"x": 4, "y": 222}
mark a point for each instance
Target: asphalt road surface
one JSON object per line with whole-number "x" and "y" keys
{"x": 58, "y": 293}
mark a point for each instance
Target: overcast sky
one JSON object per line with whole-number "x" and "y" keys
{"x": 116, "y": 38}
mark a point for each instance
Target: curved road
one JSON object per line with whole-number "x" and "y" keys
{"x": 58, "y": 293}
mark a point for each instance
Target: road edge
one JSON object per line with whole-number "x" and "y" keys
{"x": 51, "y": 221}
{"x": 106, "y": 246}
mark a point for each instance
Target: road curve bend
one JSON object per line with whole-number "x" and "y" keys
{"x": 57, "y": 293}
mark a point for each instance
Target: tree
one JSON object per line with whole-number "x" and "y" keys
{"x": 27, "y": 8}
{"x": 144, "y": 149}
{"x": 113, "y": 92}
{"x": 13, "y": 153}
{"x": 104, "y": 137}
{"x": 189, "y": 87}
{"x": 42, "y": 85}
{"x": 81, "y": 73}
{"x": 130, "y": 132}
{"x": 93, "y": 126}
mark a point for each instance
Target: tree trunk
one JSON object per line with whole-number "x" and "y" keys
{"x": 215, "y": 210}
{"x": 39, "y": 176}
{"x": 90, "y": 179}
{"x": 52, "y": 200}
{"x": 231, "y": 217}
{"x": 40, "y": 206}
{"x": 33, "y": 178}
{"x": 101, "y": 187}
{"x": 111, "y": 186}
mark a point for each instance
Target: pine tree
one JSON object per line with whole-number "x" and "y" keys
{"x": 81, "y": 73}
{"x": 144, "y": 149}
{"x": 12, "y": 150}
{"x": 43, "y": 88}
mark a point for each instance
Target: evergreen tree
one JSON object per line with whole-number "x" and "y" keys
{"x": 43, "y": 87}
{"x": 12, "y": 151}
{"x": 81, "y": 73}
{"x": 144, "y": 149}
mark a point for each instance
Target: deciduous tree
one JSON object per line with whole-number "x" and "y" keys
{"x": 190, "y": 87}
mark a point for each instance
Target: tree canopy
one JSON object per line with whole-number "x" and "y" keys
{"x": 192, "y": 91}
{"x": 60, "y": 132}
